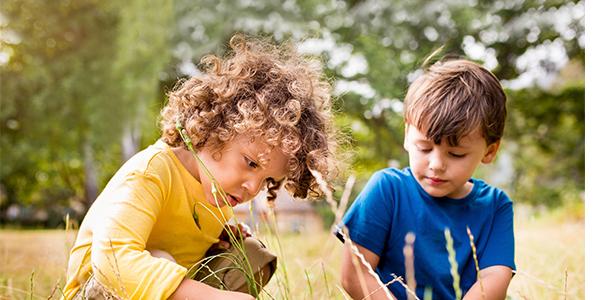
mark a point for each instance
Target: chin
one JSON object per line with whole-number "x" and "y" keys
{"x": 435, "y": 192}
{"x": 437, "y": 195}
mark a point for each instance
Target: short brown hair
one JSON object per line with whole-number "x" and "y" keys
{"x": 454, "y": 97}
{"x": 265, "y": 90}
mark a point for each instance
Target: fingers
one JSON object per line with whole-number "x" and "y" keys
{"x": 239, "y": 229}
{"x": 218, "y": 247}
{"x": 245, "y": 229}
{"x": 223, "y": 245}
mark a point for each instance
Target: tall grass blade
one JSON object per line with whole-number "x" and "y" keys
{"x": 310, "y": 288}
{"x": 325, "y": 280}
{"x": 31, "y": 285}
{"x": 474, "y": 249}
{"x": 428, "y": 293}
{"x": 409, "y": 259}
{"x": 453, "y": 264}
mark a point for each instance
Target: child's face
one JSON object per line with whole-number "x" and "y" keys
{"x": 443, "y": 170}
{"x": 236, "y": 167}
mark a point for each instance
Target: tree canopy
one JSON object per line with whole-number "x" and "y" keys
{"x": 82, "y": 82}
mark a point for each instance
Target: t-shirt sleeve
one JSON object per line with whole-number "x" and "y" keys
{"x": 119, "y": 258}
{"x": 500, "y": 248}
{"x": 369, "y": 218}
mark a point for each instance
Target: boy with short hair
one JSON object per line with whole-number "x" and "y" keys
{"x": 454, "y": 117}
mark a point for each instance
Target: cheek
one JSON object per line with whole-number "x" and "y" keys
{"x": 465, "y": 169}
{"x": 227, "y": 177}
{"x": 417, "y": 158}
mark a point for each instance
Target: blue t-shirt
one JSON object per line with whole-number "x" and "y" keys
{"x": 393, "y": 204}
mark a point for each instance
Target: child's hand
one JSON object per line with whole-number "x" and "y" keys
{"x": 239, "y": 230}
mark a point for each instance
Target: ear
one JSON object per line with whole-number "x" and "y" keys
{"x": 491, "y": 152}
{"x": 217, "y": 154}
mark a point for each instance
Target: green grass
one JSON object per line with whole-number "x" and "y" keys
{"x": 546, "y": 248}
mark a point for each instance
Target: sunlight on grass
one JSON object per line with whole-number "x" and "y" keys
{"x": 544, "y": 252}
{"x": 545, "y": 248}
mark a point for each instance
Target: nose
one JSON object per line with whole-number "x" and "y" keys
{"x": 436, "y": 161}
{"x": 252, "y": 186}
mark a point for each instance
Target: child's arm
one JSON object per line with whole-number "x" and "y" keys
{"x": 495, "y": 283}
{"x": 191, "y": 289}
{"x": 351, "y": 278}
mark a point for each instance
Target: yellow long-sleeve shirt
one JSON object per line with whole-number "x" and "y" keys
{"x": 148, "y": 204}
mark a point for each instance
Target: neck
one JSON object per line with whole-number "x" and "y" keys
{"x": 188, "y": 160}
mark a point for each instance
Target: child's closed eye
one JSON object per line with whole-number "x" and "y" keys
{"x": 457, "y": 155}
{"x": 424, "y": 150}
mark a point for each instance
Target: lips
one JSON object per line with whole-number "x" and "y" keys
{"x": 435, "y": 180}
{"x": 233, "y": 200}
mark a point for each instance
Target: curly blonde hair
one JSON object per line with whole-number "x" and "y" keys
{"x": 265, "y": 90}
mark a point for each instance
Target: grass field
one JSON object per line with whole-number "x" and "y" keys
{"x": 548, "y": 250}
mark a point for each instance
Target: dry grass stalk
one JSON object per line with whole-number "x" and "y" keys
{"x": 68, "y": 244}
{"x": 9, "y": 288}
{"x": 453, "y": 264}
{"x": 96, "y": 287}
{"x": 11, "y": 295}
{"x": 408, "y": 290}
{"x": 522, "y": 296}
{"x": 344, "y": 200}
{"x": 310, "y": 288}
{"x": 359, "y": 258}
{"x": 396, "y": 279}
{"x": 541, "y": 282}
{"x": 283, "y": 283}
{"x": 56, "y": 286}
{"x": 474, "y": 249}
{"x": 325, "y": 188}
{"x": 325, "y": 279}
{"x": 112, "y": 250}
{"x": 360, "y": 275}
{"x": 566, "y": 277}
{"x": 342, "y": 292}
{"x": 409, "y": 260}
{"x": 31, "y": 285}
{"x": 428, "y": 293}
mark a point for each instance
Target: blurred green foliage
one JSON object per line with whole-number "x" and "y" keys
{"x": 81, "y": 83}
{"x": 546, "y": 131}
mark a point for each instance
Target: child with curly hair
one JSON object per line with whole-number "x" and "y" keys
{"x": 258, "y": 118}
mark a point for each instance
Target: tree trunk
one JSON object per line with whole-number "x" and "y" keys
{"x": 130, "y": 141}
{"x": 91, "y": 174}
